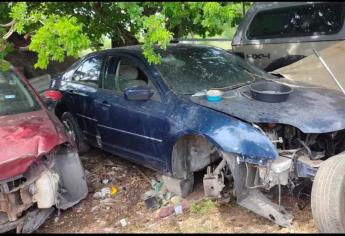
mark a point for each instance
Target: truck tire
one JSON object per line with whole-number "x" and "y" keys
{"x": 328, "y": 195}
{"x": 73, "y": 130}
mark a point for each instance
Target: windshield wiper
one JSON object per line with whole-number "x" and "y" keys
{"x": 234, "y": 86}
{"x": 203, "y": 92}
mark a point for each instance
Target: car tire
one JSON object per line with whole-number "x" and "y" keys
{"x": 328, "y": 195}
{"x": 73, "y": 130}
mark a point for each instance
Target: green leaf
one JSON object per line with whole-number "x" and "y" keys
{"x": 57, "y": 38}
{"x": 154, "y": 33}
{"x": 19, "y": 14}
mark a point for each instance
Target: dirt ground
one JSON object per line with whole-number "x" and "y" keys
{"x": 103, "y": 215}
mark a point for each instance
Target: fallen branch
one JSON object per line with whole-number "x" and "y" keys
{"x": 142, "y": 173}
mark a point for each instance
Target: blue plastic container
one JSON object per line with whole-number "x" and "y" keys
{"x": 214, "y": 95}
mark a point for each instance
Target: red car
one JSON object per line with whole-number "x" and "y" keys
{"x": 40, "y": 169}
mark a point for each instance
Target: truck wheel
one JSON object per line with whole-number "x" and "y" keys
{"x": 328, "y": 196}
{"x": 73, "y": 130}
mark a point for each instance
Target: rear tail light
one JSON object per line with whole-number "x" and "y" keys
{"x": 53, "y": 95}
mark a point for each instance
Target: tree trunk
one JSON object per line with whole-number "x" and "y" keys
{"x": 125, "y": 39}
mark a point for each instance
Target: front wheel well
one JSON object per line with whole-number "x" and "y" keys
{"x": 191, "y": 153}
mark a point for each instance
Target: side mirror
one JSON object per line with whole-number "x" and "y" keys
{"x": 50, "y": 97}
{"x": 138, "y": 93}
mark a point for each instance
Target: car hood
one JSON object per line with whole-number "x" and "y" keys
{"x": 309, "y": 108}
{"x": 23, "y": 138}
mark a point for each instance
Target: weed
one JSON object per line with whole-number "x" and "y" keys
{"x": 202, "y": 207}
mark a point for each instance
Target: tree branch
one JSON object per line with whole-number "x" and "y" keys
{"x": 8, "y": 24}
{"x": 24, "y": 49}
{"x": 9, "y": 33}
{"x": 26, "y": 36}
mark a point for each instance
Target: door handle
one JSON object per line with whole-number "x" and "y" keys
{"x": 69, "y": 91}
{"x": 104, "y": 103}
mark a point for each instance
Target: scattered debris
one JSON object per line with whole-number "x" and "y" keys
{"x": 176, "y": 200}
{"x": 178, "y": 209}
{"x": 156, "y": 185}
{"x": 103, "y": 193}
{"x": 108, "y": 163}
{"x": 123, "y": 222}
{"x": 108, "y": 201}
{"x": 142, "y": 173}
{"x": 129, "y": 205}
{"x": 114, "y": 190}
{"x": 151, "y": 202}
{"x": 94, "y": 208}
{"x": 171, "y": 209}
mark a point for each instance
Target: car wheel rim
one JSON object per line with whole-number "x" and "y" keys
{"x": 69, "y": 130}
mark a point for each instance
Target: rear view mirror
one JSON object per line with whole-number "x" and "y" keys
{"x": 138, "y": 93}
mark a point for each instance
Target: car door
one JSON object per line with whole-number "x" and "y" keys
{"x": 82, "y": 89}
{"x": 133, "y": 129}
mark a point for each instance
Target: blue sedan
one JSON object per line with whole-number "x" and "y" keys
{"x": 201, "y": 107}
{"x": 115, "y": 100}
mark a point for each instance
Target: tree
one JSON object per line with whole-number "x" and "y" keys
{"x": 60, "y": 29}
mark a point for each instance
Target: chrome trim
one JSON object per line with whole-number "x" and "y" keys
{"x": 86, "y": 117}
{"x": 139, "y": 135}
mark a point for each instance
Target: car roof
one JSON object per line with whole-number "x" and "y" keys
{"x": 137, "y": 49}
{"x": 269, "y": 5}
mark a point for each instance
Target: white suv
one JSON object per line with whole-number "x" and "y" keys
{"x": 275, "y": 34}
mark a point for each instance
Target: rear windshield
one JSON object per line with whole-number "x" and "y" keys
{"x": 14, "y": 95}
{"x": 306, "y": 20}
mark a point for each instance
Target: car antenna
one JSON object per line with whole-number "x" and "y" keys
{"x": 329, "y": 70}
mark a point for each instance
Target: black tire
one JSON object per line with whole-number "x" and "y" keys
{"x": 328, "y": 195}
{"x": 73, "y": 130}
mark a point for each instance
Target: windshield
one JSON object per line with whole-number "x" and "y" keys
{"x": 14, "y": 96}
{"x": 191, "y": 69}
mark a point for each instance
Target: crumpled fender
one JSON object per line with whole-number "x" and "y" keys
{"x": 25, "y": 137}
{"x": 229, "y": 134}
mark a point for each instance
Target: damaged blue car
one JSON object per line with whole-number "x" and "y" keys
{"x": 203, "y": 107}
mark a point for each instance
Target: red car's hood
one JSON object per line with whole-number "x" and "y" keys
{"x": 23, "y": 138}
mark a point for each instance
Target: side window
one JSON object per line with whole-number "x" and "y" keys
{"x": 89, "y": 72}
{"x": 123, "y": 73}
{"x": 129, "y": 75}
{"x": 109, "y": 77}
{"x": 307, "y": 20}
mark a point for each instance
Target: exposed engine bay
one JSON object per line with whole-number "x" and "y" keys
{"x": 300, "y": 155}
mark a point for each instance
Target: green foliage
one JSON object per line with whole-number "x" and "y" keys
{"x": 4, "y": 49}
{"x": 202, "y": 207}
{"x": 155, "y": 33}
{"x": 19, "y": 14}
{"x": 59, "y": 36}
{"x": 4, "y": 65}
{"x": 56, "y": 34}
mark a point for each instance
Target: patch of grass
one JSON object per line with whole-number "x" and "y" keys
{"x": 202, "y": 207}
